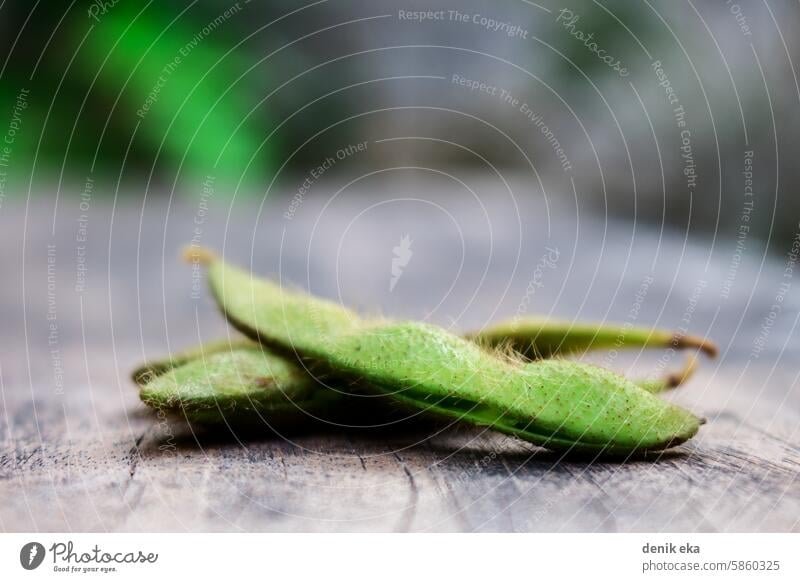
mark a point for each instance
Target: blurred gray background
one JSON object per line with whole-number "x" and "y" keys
{"x": 266, "y": 91}
{"x": 627, "y": 161}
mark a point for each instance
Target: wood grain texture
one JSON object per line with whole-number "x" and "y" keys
{"x": 82, "y": 454}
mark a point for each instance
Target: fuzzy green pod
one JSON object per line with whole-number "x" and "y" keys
{"x": 557, "y": 404}
{"x": 239, "y": 384}
{"x": 234, "y": 381}
{"x": 544, "y": 337}
{"x": 154, "y": 368}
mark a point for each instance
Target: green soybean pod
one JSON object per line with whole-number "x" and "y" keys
{"x": 151, "y": 369}
{"x": 242, "y": 384}
{"x": 544, "y": 337}
{"x": 557, "y": 404}
{"x": 236, "y": 381}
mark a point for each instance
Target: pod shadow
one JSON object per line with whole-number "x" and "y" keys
{"x": 413, "y": 436}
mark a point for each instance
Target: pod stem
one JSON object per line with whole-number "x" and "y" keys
{"x": 706, "y": 346}
{"x": 197, "y": 254}
{"x": 672, "y": 379}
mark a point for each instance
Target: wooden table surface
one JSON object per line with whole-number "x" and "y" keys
{"x": 78, "y": 452}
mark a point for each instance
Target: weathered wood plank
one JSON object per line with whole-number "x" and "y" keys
{"x": 86, "y": 456}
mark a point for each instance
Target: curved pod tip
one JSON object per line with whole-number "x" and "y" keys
{"x": 677, "y": 378}
{"x": 198, "y": 254}
{"x": 692, "y": 341}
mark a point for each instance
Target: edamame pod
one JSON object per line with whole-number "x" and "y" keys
{"x": 543, "y": 337}
{"x": 237, "y": 384}
{"x": 557, "y": 404}
{"x": 242, "y": 386}
{"x": 154, "y": 368}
